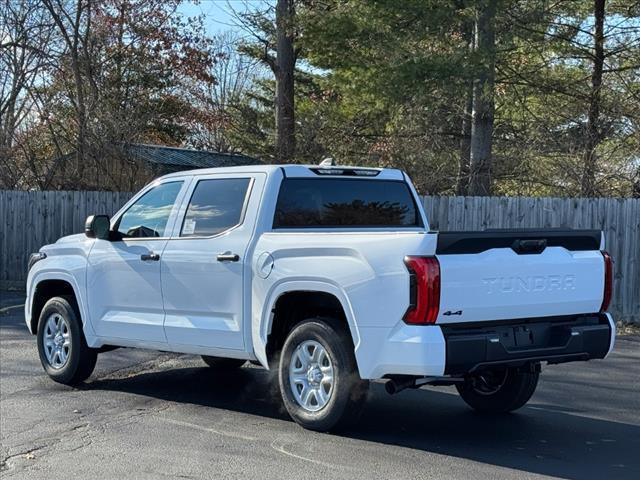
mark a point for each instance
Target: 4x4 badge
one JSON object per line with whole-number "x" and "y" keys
{"x": 449, "y": 312}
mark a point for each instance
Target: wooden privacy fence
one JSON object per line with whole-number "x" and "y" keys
{"x": 618, "y": 218}
{"x": 29, "y": 220}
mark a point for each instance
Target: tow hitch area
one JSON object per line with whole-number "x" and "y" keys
{"x": 398, "y": 383}
{"x": 523, "y": 336}
{"x": 518, "y": 342}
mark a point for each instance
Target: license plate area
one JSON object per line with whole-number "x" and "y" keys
{"x": 530, "y": 336}
{"x": 523, "y": 336}
{"x": 555, "y": 340}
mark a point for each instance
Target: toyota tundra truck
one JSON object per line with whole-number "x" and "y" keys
{"x": 327, "y": 275}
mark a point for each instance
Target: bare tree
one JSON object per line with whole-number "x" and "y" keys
{"x": 73, "y": 21}
{"x": 26, "y": 34}
{"x": 218, "y": 102}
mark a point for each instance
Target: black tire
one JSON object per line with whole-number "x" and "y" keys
{"x": 499, "y": 391}
{"x": 348, "y": 391}
{"x": 81, "y": 359}
{"x": 222, "y": 363}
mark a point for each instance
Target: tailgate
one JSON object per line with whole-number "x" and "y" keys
{"x": 499, "y": 275}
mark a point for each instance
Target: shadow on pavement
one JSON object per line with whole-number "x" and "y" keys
{"x": 538, "y": 439}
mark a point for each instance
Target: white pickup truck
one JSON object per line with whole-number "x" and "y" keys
{"x": 328, "y": 275}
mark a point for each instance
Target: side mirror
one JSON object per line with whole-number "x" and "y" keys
{"x": 97, "y": 226}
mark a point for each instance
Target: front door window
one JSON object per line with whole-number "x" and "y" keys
{"x": 149, "y": 215}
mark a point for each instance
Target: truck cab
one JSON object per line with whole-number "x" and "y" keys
{"x": 328, "y": 275}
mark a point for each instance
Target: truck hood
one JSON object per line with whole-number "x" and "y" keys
{"x": 75, "y": 238}
{"x": 63, "y": 244}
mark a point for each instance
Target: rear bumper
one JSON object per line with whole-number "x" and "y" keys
{"x": 470, "y": 348}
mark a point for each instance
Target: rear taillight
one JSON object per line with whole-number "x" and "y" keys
{"x": 424, "y": 290}
{"x": 608, "y": 282}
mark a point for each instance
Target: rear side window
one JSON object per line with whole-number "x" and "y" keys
{"x": 215, "y": 206}
{"x": 324, "y": 202}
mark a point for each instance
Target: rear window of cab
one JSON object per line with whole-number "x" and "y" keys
{"x": 345, "y": 203}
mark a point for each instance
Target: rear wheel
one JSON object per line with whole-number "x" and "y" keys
{"x": 62, "y": 348}
{"x": 223, "y": 363}
{"x": 318, "y": 377}
{"x": 499, "y": 390}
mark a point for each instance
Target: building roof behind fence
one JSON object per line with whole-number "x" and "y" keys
{"x": 186, "y": 158}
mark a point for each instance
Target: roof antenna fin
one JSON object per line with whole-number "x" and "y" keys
{"x": 327, "y": 162}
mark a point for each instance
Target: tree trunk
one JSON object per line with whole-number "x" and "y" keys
{"x": 464, "y": 161}
{"x": 285, "y": 58}
{"x": 483, "y": 100}
{"x": 592, "y": 140}
{"x": 72, "y": 37}
{"x": 81, "y": 109}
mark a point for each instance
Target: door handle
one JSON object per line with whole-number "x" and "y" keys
{"x": 228, "y": 257}
{"x": 150, "y": 256}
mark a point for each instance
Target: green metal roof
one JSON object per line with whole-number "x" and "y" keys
{"x": 185, "y": 158}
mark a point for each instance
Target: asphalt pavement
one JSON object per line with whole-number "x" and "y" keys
{"x": 147, "y": 414}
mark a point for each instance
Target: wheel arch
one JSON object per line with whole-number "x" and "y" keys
{"x": 46, "y": 286}
{"x": 277, "y": 319}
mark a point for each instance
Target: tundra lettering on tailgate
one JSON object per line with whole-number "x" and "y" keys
{"x": 533, "y": 283}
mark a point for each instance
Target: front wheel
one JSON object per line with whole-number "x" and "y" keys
{"x": 499, "y": 390}
{"x": 318, "y": 377}
{"x": 63, "y": 350}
